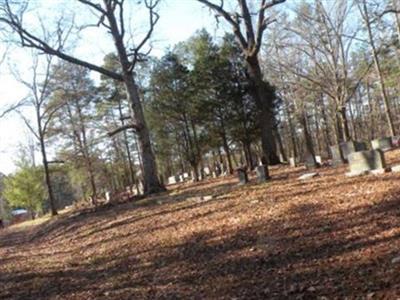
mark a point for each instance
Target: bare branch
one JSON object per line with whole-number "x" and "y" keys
{"x": 231, "y": 20}
{"x": 123, "y": 128}
{"x": 13, "y": 108}
{"x": 30, "y": 40}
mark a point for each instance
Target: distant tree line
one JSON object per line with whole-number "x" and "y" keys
{"x": 276, "y": 85}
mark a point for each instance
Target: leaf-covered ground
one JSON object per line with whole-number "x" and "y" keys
{"x": 328, "y": 237}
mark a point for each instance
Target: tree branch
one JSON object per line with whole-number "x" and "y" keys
{"x": 30, "y": 40}
{"x": 123, "y": 128}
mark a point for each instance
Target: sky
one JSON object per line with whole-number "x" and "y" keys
{"x": 179, "y": 19}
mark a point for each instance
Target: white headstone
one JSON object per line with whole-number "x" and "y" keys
{"x": 171, "y": 180}
{"x": 108, "y": 196}
{"x": 207, "y": 171}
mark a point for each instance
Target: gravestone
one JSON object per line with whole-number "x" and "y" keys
{"x": 318, "y": 159}
{"x": 364, "y": 161}
{"x": 292, "y": 162}
{"x": 207, "y": 171}
{"x": 108, "y": 197}
{"x": 351, "y": 146}
{"x": 261, "y": 172}
{"x": 337, "y": 158}
{"x": 383, "y": 144}
{"x": 242, "y": 174}
{"x": 173, "y": 179}
{"x": 140, "y": 187}
{"x": 310, "y": 162}
{"x": 185, "y": 176}
{"x": 223, "y": 168}
{"x": 181, "y": 178}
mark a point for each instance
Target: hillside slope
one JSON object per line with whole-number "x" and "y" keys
{"x": 328, "y": 236}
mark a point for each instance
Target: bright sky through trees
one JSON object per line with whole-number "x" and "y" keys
{"x": 179, "y": 20}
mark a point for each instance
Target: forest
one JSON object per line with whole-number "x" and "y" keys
{"x": 278, "y": 87}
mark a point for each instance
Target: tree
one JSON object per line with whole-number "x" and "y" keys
{"x": 365, "y": 13}
{"x": 172, "y": 100}
{"x": 25, "y": 189}
{"x": 111, "y": 16}
{"x": 38, "y": 99}
{"x": 74, "y": 94}
{"x": 250, "y": 37}
{"x": 319, "y": 46}
{"x": 113, "y": 109}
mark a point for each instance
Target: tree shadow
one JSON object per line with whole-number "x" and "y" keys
{"x": 306, "y": 251}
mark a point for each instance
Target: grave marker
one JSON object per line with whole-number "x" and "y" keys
{"x": 365, "y": 161}
{"x": 383, "y": 144}
{"x": 261, "y": 172}
{"x": 242, "y": 174}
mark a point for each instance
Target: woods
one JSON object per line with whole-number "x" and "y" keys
{"x": 275, "y": 87}
{"x": 202, "y": 149}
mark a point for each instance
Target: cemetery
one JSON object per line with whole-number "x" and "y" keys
{"x": 205, "y": 149}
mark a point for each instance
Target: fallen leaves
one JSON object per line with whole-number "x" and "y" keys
{"x": 327, "y": 237}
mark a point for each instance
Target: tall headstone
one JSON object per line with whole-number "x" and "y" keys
{"x": 362, "y": 161}
{"x": 351, "y": 146}
{"x": 242, "y": 174}
{"x": 207, "y": 171}
{"x": 292, "y": 162}
{"x": 310, "y": 161}
{"x": 337, "y": 158}
{"x": 261, "y": 172}
{"x": 108, "y": 196}
{"x": 383, "y": 144}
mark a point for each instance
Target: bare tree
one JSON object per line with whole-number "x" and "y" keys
{"x": 323, "y": 39}
{"x": 366, "y": 16}
{"x": 39, "y": 90}
{"x": 111, "y": 16}
{"x": 249, "y": 33}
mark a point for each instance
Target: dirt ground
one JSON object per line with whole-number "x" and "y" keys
{"x": 330, "y": 237}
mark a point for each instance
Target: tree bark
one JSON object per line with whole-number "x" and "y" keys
{"x": 378, "y": 68}
{"x": 264, "y": 97}
{"x": 53, "y": 208}
{"x": 151, "y": 181}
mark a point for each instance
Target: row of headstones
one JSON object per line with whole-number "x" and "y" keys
{"x": 186, "y": 176}
{"x": 360, "y": 158}
{"x": 178, "y": 178}
{"x": 261, "y": 172}
{"x": 341, "y": 152}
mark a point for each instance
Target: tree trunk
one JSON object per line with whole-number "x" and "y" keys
{"x": 307, "y": 136}
{"x": 128, "y": 151}
{"x": 377, "y": 64}
{"x": 264, "y": 97}
{"x": 151, "y": 181}
{"x": 344, "y": 125}
{"x": 326, "y": 128}
{"x": 53, "y": 208}
{"x": 86, "y": 153}
{"x": 280, "y": 145}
